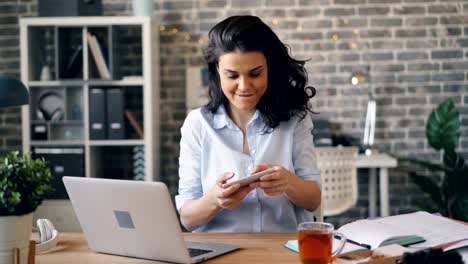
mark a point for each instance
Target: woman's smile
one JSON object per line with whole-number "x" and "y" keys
{"x": 244, "y": 79}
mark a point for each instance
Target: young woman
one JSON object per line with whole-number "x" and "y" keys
{"x": 257, "y": 118}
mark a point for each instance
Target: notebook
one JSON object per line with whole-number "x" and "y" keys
{"x": 135, "y": 219}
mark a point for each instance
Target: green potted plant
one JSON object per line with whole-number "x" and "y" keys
{"x": 446, "y": 183}
{"x": 24, "y": 184}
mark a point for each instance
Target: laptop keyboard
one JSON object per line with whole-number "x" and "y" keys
{"x": 197, "y": 252}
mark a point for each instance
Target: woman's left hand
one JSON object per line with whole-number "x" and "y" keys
{"x": 275, "y": 183}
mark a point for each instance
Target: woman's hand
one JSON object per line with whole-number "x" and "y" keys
{"x": 231, "y": 197}
{"x": 275, "y": 183}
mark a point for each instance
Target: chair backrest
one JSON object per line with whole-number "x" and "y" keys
{"x": 339, "y": 180}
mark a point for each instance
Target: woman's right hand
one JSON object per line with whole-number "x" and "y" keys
{"x": 231, "y": 197}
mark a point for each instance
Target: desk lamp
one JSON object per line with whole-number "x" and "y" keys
{"x": 12, "y": 92}
{"x": 360, "y": 78}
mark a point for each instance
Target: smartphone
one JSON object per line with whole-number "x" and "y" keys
{"x": 251, "y": 178}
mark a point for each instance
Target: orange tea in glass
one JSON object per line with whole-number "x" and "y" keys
{"x": 315, "y": 241}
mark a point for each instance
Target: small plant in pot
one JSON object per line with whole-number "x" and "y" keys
{"x": 24, "y": 184}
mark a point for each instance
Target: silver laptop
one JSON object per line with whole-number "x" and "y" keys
{"x": 135, "y": 219}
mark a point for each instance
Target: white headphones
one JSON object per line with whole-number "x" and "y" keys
{"x": 48, "y": 236}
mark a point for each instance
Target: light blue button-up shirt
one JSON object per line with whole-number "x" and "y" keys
{"x": 212, "y": 144}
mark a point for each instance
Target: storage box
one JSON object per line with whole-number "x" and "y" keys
{"x": 62, "y": 161}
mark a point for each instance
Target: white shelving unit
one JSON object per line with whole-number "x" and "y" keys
{"x": 131, "y": 48}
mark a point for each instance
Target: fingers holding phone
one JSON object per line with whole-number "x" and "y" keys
{"x": 274, "y": 183}
{"x": 229, "y": 197}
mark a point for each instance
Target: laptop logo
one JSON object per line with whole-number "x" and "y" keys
{"x": 124, "y": 219}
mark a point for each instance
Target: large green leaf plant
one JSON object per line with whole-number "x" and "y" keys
{"x": 24, "y": 183}
{"x": 449, "y": 193}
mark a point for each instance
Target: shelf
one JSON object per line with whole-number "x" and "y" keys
{"x": 61, "y": 83}
{"x": 136, "y": 82}
{"x": 57, "y": 143}
{"x": 86, "y": 21}
{"x": 60, "y": 122}
{"x": 136, "y": 142}
{"x": 63, "y": 69}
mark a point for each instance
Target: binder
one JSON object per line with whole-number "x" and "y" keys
{"x": 115, "y": 114}
{"x": 39, "y": 132}
{"x": 97, "y": 114}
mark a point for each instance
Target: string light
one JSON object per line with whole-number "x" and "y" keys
{"x": 353, "y": 45}
{"x": 162, "y": 28}
{"x": 201, "y": 41}
{"x": 335, "y": 37}
{"x": 174, "y": 30}
{"x": 275, "y": 22}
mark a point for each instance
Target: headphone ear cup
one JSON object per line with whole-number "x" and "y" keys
{"x": 44, "y": 232}
{"x": 40, "y": 115}
{"x": 56, "y": 115}
{"x": 50, "y": 105}
{"x": 48, "y": 236}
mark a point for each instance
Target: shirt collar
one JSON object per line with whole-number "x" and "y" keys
{"x": 221, "y": 119}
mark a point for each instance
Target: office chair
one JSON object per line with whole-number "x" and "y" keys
{"x": 339, "y": 178}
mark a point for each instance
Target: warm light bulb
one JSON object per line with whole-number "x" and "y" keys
{"x": 358, "y": 78}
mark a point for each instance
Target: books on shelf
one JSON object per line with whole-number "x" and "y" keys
{"x": 423, "y": 229}
{"x": 96, "y": 51}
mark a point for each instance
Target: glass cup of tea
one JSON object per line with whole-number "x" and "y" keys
{"x": 315, "y": 241}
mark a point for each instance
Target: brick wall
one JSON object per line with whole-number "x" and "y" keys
{"x": 10, "y": 118}
{"x": 416, "y": 51}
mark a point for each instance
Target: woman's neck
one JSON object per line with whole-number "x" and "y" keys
{"x": 240, "y": 117}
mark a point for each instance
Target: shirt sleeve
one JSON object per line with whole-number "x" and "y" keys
{"x": 190, "y": 187}
{"x": 304, "y": 159}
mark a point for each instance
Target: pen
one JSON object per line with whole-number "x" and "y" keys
{"x": 355, "y": 243}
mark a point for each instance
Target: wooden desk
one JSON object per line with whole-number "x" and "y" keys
{"x": 373, "y": 162}
{"x": 255, "y": 248}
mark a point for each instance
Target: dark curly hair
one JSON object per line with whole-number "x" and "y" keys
{"x": 286, "y": 95}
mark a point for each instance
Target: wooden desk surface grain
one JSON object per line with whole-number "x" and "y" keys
{"x": 255, "y": 248}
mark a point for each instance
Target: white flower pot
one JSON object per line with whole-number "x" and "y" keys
{"x": 15, "y": 232}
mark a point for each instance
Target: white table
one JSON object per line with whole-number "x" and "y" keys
{"x": 374, "y": 162}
